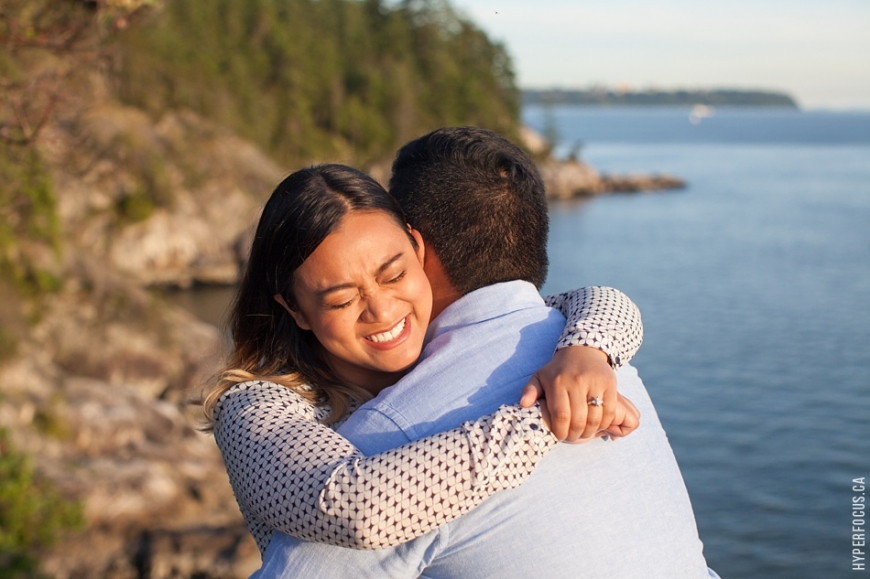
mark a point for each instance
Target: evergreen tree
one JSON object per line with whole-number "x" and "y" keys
{"x": 309, "y": 80}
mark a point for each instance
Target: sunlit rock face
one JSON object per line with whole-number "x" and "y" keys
{"x": 168, "y": 203}
{"x": 569, "y": 179}
{"x": 99, "y": 396}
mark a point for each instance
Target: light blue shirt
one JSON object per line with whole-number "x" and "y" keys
{"x": 596, "y": 510}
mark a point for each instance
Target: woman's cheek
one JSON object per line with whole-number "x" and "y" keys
{"x": 333, "y": 327}
{"x": 421, "y": 293}
{"x": 342, "y": 323}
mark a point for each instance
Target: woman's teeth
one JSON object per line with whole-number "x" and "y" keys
{"x": 390, "y": 335}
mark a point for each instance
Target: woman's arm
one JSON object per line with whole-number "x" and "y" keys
{"x": 291, "y": 473}
{"x": 600, "y": 317}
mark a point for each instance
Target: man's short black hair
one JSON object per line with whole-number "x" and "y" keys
{"x": 478, "y": 201}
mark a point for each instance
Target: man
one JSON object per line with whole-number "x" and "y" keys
{"x": 598, "y": 510}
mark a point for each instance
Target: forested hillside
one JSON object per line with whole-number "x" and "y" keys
{"x": 657, "y": 97}
{"x": 138, "y": 138}
{"x": 311, "y": 79}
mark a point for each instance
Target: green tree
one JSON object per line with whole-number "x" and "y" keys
{"x": 311, "y": 79}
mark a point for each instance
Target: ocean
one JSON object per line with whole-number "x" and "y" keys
{"x": 754, "y": 285}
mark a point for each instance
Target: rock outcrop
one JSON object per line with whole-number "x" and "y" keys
{"x": 166, "y": 203}
{"x": 571, "y": 178}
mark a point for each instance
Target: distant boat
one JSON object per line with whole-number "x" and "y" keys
{"x": 700, "y": 112}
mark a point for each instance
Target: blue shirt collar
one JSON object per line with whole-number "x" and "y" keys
{"x": 485, "y": 303}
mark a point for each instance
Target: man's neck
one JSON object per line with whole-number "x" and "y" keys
{"x": 443, "y": 292}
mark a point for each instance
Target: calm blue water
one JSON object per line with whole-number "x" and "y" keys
{"x": 754, "y": 283}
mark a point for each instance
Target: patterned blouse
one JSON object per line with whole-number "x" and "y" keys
{"x": 291, "y": 473}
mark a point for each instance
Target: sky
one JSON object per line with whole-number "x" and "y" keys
{"x": 818, "y": 51}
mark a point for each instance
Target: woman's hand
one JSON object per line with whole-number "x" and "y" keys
{"x": 576, "y": 375}
{"x": 625, "y": 420}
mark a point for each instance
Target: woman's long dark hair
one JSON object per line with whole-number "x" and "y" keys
{"x": 267, "y": 344}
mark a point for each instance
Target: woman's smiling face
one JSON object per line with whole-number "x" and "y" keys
{"x": 364, "y": 295}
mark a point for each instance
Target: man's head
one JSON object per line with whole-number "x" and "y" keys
{"x": 478, "y": 201}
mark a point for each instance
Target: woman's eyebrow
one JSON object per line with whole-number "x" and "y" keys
{"x": 348, "y": 285}
{"x": 390, "y": 262}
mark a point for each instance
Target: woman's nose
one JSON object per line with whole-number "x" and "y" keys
{"x": 379, "y": 307}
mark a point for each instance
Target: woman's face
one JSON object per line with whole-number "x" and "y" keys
{"x": 365, "y": 297}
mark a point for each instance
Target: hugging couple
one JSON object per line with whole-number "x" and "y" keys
{"x": 378, "y": 414}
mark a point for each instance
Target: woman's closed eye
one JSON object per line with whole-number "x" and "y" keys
{"x": 341, "y": 304}
{"x": 398, "y": 278}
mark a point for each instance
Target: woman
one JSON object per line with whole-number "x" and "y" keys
{"x": 333, "y": 308}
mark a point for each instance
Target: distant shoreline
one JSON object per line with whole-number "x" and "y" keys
{"x": 656, "y": 98}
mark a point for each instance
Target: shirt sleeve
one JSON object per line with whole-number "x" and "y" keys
{"x": 291, "y": 473}
{"x": 602, "y": 318}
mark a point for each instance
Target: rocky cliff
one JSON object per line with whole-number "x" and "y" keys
{"x": 97, "y": 370}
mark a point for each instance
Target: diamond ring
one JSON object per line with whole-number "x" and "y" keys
{"x": 597, "y": 401}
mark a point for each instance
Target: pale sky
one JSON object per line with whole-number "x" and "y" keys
{"x": 816, "y": 50}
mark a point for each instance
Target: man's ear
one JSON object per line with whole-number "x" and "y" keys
{"x": 298, "y": 317}
{"x": 421, "y": 247}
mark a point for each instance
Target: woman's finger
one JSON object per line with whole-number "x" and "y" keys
{"x": 593, "y": 416}
{"x": 532, "y": 392}
{"x": 559, "y": 405}
{"x": 611, "y": 400}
